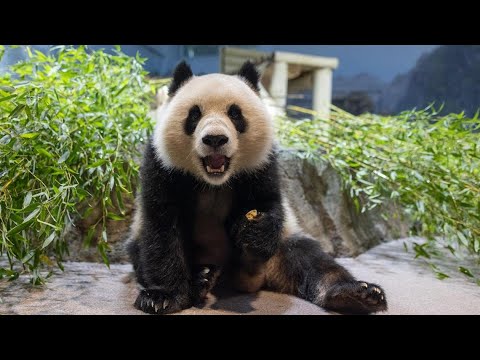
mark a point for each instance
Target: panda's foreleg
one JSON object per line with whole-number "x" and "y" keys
{"x": 160, "y": 266}
{"x": 301, "y": 268}
{"x": 258, "y": 225}
{"x": 256, "y": 241}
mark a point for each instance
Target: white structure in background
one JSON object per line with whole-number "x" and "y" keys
{"x": 286, "y": 72}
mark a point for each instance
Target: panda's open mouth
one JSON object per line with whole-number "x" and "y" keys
{"x": 216, "y": 164}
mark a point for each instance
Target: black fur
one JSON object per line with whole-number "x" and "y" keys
{"x": 163, "y": 254}
{"x": 191, "y": 122}
{"x": 250, "y": 75}
{"x": 305, "y": 269}
{"x": 181, "y": 75}
{"x": 204, "y": 277}
{"x": 235, "y": 114}
{"x": 356, "y": 297}
{"x": 260, "y": 191}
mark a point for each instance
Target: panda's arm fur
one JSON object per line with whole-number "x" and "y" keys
{"x": 160, "y": 254}
{"x": 259, "y": 191}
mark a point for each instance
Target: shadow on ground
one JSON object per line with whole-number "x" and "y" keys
{"x": 91, "y": 288}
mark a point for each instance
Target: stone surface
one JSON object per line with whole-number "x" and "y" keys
{"x": 326, "y": 212}
{"x": 315, "y": 192}
{"x": 89, "y": 288}
{"x": 117, "y": 232}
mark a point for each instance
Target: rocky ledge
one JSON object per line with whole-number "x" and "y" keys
{"x": 91, "y": 288}
{"x": 315, "y": 192}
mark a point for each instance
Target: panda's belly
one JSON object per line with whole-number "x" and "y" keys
{"x": 209, "y": 235}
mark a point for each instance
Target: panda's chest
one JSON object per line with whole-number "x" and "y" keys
{"x": 209, "y": 234}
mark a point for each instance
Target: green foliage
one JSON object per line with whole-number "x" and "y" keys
{"x": 428, "y": 164}
{"x": 71, "y": 126}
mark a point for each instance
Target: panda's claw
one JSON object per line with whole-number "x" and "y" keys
{"x": 157, "y": 302}
{"x": 165, "y": 304}
{"x": 204, "y": 277}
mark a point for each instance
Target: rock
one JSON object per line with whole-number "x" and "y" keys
{"x": 410, "y": 285}
{"x": 325, "y": 211}
{"x": 315, "y": 193}
{"x": 432, "y": 79}
{"x": 93, "y": 289}
{"x": 355, "y": 102}
{"x": 117, "y": 234}
{"x": 392, "y": 94}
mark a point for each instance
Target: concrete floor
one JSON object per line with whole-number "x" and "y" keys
{"x": 91, "y": 288}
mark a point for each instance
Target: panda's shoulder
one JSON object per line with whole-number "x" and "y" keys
{"x": 150, "y": 161}
{"x": 152, "y": 168}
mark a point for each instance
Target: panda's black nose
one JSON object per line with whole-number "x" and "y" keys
{"x": 215, "y": 140}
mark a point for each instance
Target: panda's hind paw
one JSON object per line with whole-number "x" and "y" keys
{"x": 358, "y": 297}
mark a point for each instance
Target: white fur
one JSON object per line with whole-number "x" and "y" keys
{"x": 213, "y": 93}
{"x": 216, "y": 125}
{"x": 290, "y": 223}
{"x": 137, "y": 222}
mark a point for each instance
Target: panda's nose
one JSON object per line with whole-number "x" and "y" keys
{"x": 215, "y": 141}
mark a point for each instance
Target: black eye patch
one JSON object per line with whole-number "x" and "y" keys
{"x": 235, "y": 114}
{"x": 194, "y": 116}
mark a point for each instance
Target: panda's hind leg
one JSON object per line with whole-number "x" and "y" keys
{"x": 301, "y": 268}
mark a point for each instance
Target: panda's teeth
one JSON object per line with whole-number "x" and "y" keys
{"x": 210, "y": 170}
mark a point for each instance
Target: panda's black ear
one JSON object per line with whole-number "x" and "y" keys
{"x": 250, "y": 75}
{"x": 181, "y": 75}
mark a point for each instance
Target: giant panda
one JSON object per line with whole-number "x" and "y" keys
{"x": 211, "y": 207}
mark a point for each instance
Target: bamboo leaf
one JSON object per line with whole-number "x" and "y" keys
{"x": 16, "y": 111}
{"x": 97, "y": 164}
{"x": 115, "y": 216}
{"x": 44, "y": 152}
{"x": 64, "y": 157}
{"x": 441, "y": 275}
{"x": 465, "y": 271}
{"x": 29, "y": 219}
{"x": 48, "y": 240}
{"x": 28, "y": 199}
{"x": 29, "y": 135}
{"x": 8, "y": 97}
{"x": 6, "y": 88}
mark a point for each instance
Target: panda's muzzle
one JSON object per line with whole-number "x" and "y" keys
{"x": 216, "y": 164}
{"x": 215, "y": 141}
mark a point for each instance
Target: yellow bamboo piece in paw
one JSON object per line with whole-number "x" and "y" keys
{"x": 252, "y": 214}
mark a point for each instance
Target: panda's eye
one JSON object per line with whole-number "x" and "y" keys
{"x": 235, "y": 114}
{"x": 194, "y": 116}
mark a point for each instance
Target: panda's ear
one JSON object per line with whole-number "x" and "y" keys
{"x": 250, "y": 75}
{"x": 181, "y": 75}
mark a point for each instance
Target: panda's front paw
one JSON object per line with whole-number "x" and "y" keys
{"x": 157, "y": 302}
{"x": 259, "y": 237}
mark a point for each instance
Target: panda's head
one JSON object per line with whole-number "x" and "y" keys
{"x": 214, "y": 126}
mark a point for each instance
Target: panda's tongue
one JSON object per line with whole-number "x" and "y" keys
{"x": 216, "y": 161}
